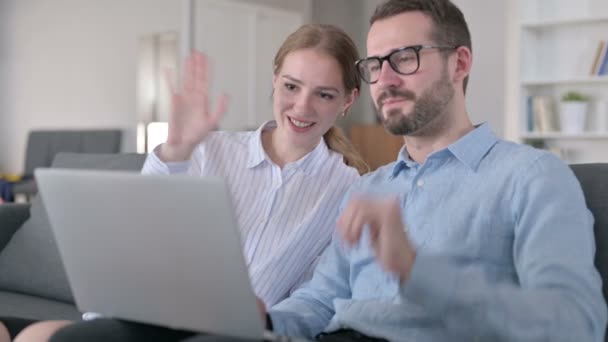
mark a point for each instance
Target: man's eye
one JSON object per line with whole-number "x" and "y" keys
{"x": 374, "y": 68}
{"x": 405, "y": 59}
{"x": 326, "y": 96}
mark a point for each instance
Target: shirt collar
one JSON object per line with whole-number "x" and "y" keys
{"x": 469, "y": 149}
{"x": 257, "y": 155}
{"x": 403, "y": 162}
{"x": 310, "y": 164}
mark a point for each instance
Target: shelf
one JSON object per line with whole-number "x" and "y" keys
{"x": 540, "y": 24}
{"x": 555, "y": 44}
{"x": 565, "y": 136}
{"x": 566, "y": 81}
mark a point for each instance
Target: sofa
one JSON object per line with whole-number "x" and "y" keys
{"x": 43, "y": 145}
{"x": 33, "y": 283}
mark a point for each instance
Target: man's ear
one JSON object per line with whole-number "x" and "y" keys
{"x": 464, "y": 62}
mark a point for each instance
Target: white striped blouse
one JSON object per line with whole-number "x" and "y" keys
{"x": 286, "y": 216}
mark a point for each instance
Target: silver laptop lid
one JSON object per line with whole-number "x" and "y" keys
{"x": 161, "y": 250}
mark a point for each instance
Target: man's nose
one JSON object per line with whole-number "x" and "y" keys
{"x": 388, "y": 76}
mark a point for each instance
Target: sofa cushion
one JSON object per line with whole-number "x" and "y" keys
{"x": 30, "y": 262}
{"x": 594, "y": 181}
{"x": 32, "y": 307}
{"x": 12, "y": 216}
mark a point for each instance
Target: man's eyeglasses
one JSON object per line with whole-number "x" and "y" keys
{"x": 404, "y": 61}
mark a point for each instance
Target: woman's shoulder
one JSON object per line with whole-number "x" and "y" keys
{"x": 337, "y": 164}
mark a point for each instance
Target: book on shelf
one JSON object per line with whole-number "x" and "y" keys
{"x": 540, "y": 114}
{"x": 600, "y": 62}
{"x": 603, "y": 69}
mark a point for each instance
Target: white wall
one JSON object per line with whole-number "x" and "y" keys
{"x": 486, "y": 91}
{"x": 512, "y": 41}
{"x": 300, "y": 6}
{"x": 5, "y": 147}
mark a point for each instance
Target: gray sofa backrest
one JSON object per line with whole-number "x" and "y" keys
{"x": 94, "y": 161}
{"x": 30, "y": 262}
{"x": 43, "y": 145}
{"x": 594, "y": 181}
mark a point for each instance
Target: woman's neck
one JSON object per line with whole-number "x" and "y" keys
{"x": 279, "y": 151}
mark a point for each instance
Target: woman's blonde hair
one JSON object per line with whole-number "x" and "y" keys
{"x": 337, "y": 44}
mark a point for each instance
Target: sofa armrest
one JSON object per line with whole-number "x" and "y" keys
{"x": 12, "y": 216}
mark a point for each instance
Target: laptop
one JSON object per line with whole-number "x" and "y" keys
{"x": 162, "y": 250}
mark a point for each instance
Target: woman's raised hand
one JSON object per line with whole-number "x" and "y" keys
{"x": 191, "y": 120}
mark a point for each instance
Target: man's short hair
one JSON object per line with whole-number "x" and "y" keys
{"x": 450, "y": 27}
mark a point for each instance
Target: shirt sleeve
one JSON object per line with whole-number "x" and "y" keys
{"x": 154, "y": 166}
{"x": 310, "y": 308}
{"x": 559, "y": 295}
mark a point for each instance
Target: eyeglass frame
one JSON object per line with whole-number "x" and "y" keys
{"x": 387, "y": 57}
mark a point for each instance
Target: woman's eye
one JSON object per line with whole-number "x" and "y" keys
{"x": 290, "y": 86}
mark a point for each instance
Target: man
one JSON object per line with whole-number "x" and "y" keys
{"x": 465, "y": 237}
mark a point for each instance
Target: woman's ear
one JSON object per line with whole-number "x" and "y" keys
{"x": 350, "y": 99}
{"x": 274, "y": 79}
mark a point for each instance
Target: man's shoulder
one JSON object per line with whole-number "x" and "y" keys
{"x": 512, "y": 161}
{"x": 378, "y": 176}
{"x": 507, "y": 153}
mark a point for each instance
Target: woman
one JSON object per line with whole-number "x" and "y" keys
{"x": 286, "y": 179}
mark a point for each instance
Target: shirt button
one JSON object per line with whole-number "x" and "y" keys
{"x": 420, "y": 183}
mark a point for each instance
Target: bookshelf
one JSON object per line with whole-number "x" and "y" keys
{"x": 564, "y": 136}
{"x": 557, "y": 43}
{"x": 545, "y": 22}
{"x": 580, "y": 80}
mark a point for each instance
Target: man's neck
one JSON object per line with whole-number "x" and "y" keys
{"x": 437, "y": 136}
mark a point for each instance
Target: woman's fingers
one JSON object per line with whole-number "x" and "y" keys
{"x": 221, "y": 108}
{"x": 188, "y": 74}
{"x": 201, "y": 71}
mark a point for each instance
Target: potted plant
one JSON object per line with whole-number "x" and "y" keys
{"x": 573, "y": 112}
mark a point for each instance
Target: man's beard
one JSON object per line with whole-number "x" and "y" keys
{"x": 431, "y": 104}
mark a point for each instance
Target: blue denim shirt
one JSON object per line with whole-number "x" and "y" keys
{"x": 505, "y": 251}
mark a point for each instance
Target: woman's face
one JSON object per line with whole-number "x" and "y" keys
{"x": 309, "y": 96}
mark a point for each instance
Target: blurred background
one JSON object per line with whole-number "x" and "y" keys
{"x": 97, "y": 65}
